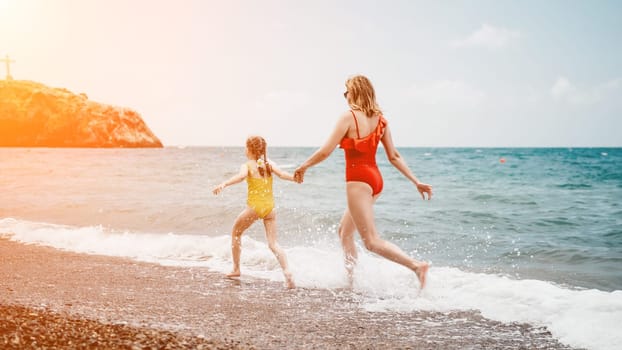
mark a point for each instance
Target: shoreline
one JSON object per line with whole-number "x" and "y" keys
{"x": 196, "y": 306}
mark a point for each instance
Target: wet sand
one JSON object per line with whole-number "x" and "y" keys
{"x": 89, "y": 301}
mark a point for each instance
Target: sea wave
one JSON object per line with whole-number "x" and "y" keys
{"x": 586, "y": 318}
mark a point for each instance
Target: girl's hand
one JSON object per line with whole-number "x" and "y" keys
{"x": 423, "y": 189}
{"x": 218, "y": 189}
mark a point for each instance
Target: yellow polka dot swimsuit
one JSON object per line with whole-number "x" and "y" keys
{"x": 260, "y": 197}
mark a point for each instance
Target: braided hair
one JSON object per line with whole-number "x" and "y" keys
{"x": 257, "y": 146}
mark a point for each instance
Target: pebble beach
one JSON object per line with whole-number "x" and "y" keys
{"x": 56, "y": 299}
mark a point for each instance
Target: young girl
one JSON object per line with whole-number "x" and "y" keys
{"x": 258, "y": 174}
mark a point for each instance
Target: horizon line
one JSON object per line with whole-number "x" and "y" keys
{"x": 317, "y": 146}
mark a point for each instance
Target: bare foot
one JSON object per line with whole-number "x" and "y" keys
{"x": 289, "y": 280}
{"x": 422, "y": 273}
{"x": 233, "y": 274}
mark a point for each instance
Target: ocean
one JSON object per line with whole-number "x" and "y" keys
{"x": 518, "y": 234}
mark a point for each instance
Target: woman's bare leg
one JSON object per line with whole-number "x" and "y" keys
{"x": 360, "y": 205}
{"x": 271, "y": 232}
{"x": 346, "y": 234}
{"x": 243, "y": 222}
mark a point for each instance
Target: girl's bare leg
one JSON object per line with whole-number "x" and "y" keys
{"x": 243, "y": 222}
{"x": 360, "y": 205}
{"x": 271, "y": 230}
{"x": 346, "y": 235}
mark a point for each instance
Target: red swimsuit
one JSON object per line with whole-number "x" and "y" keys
{"x": 361, "y": 156}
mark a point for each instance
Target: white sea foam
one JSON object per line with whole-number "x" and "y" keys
{"x": 581, "y": 318}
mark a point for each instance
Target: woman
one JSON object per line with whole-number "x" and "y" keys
{"x": 358, "y": 132}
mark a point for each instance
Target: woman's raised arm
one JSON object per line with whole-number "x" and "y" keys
{"x": 340, "y": 130}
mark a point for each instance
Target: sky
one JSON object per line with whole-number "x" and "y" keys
{"x": 446, "y": 73}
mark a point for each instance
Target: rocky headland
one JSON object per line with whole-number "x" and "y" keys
{"x": 35, "y": 115}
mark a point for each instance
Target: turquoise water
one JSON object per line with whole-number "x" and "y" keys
{"x": 548, "y": 214}
{"x": 536, "y": 238}
{"x": 551, "y": 214}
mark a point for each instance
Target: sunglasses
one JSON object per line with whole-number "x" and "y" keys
{"x": 345, "y": 94}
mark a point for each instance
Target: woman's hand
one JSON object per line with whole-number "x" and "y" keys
{"x": 423, "y": 189}
{"x": 299, "y": 174}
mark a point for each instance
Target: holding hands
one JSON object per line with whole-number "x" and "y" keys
{"x": 299, "y": 174}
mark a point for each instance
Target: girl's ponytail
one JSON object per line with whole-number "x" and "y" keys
{"x": 257, "y": 147}
{"x": 260, "y": 166}
{"x": 268, "y": 167}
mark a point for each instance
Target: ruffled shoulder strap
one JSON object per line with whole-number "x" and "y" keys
{"x": 382, "y": 124}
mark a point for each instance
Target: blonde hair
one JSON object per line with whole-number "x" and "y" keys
{"x": 361, "y": 95}
{"x": 257, "y": 146}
